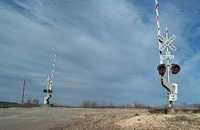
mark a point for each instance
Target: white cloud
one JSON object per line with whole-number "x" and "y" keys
{"x": 105, "y": 49}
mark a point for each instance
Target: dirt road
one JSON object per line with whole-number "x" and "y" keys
{"x": 35, "y": 118}
{"x": 94, "y": 119}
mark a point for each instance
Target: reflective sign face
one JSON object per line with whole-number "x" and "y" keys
{"x": 172, "y": 97}
{"x": 161, "y": 69}
{"x": 175, "y": 68}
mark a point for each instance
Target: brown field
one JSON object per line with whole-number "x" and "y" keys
{"x": 94, "y": 119}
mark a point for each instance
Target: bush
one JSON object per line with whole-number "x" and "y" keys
{"x": 88, "y": 104}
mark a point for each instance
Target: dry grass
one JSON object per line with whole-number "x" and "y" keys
{"x": 134, "y": 120}
{"x": 97, "y": 119}
{"x": 141, "y": 122}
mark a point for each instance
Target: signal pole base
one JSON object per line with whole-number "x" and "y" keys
{"x": 170, "y": 108}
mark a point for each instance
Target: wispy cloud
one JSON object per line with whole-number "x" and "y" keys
{"x": 106, "y": 50}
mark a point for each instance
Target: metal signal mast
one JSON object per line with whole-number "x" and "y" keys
{"x": 50, "y": 82}
{"x": 166, "y": 68}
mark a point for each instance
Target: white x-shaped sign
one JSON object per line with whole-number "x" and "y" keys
{"x": 165, "y": 42}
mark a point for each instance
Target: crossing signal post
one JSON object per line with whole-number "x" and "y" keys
{"x": 48, "y": 92}
{"x": 167, "y": 68}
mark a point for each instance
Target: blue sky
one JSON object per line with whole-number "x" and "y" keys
{"x": 106, "y": 49}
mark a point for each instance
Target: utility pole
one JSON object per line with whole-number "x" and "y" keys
{"x": 167, "y": 68}
{"x": 23, "y": 91}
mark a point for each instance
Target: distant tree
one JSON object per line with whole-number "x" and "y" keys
{"x": 140, "y": 105}
{"x": 28, "y": 101}
{"x": 35, "y": 101}
{"x": 31, "y": 103}
{"x": 88, "y": 104}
